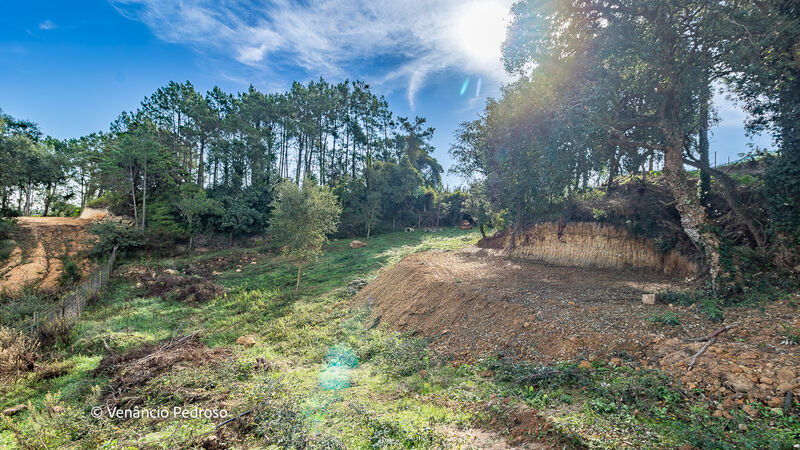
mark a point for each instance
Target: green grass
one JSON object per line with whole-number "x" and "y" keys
{"x": 334, "y": 382}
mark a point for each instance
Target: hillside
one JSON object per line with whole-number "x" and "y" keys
{"x": 40, "y": 245}
{"x": 319, "y": 369}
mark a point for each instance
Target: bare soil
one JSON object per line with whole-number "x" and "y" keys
{"x": 41, "y": 243}
{"x": 476, "y": 302}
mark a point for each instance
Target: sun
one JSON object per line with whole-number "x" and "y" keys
{"x": 480, "y": 30}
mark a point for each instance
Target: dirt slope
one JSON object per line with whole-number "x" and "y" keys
{"x": 41, "y": 243}
{"x": 477, "y": 302}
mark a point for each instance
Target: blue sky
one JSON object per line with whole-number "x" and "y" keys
{"x": 72, "y": 67}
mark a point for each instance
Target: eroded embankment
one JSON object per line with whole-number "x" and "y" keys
{"x": 586, "y": 244}
{"x": 477, "y": 302}
{"x": 41, "y": 245}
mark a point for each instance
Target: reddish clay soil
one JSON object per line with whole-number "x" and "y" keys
{"x": 41, "y": 243}
{"x": 476, "y": 302}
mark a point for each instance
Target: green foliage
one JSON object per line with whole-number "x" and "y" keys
{"x": 70, "y": 273}
{"x": 6, "y": 245}
{"x": 110, "y": 235}
{"x": 302, "y": 219}
{"x": 667, "y": 318}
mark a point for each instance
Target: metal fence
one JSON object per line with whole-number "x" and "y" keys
{"x": 71, "y": 304}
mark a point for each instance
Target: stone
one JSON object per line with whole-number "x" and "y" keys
{"x": 775, "y": 402}
{"x": 526, "y": 325}
{"x": 649, "y": 299}
{"x": 786, "y": 375}
{"x": 14, "y": 410}
{"x": 247, "y": 341}
{"x": 357, "y": 244}
{"x": 585, "y": 365}
{"x": 718, "y": 413}
{"x": 742, "y": 427}
{"x": 742, "y": 384}
{"x": 749, "y": 410}
{"x": 616, "y": 362}
{"x": 785, "y": 387}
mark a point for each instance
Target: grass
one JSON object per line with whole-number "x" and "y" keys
{"x": 332, "y": 381}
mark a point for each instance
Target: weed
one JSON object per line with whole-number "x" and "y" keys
{"x": 666, "y": 318}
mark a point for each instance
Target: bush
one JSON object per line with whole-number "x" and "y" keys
{"x": 56, "y": 333}
{"x": 70, "y": 273}
{"x": 110, "y": 235}
{"x": 666, "y": 318}
{"x": 18, "y": 353}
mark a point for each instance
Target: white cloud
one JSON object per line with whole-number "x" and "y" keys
{"x": 47, "y": 25}
{"x": 332, "y": 37}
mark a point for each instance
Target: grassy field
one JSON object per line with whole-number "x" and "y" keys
{"x": 321, "y": 376}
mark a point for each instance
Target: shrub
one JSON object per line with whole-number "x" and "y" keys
{"x": 56, "y": 333}
{"x": 18, "y": 353}
{"x": 666, "y": 318}
{"x": 70, "y": 273}
{"x": 110, "y": 235}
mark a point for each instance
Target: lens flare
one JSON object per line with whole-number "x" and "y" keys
{"x": 464, "y": 86}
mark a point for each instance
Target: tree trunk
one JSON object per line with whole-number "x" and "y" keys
{"x": 299, "y": 273}
{"x": 47, "y": 198}
{"x": 201, "y": 164}
{"x": 694, "y": 220}
{"x": 144, "y": 195}
{"x": 702, "y": 147}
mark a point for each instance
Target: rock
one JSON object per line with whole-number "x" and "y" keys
{"x": 786, "y": 375}
{"x": 616, "y": 362}
{"x": 742, "y": 427}
{"x": 742, "y": 384}
{"x": 487, "y": 373}
{"x": 585, "y": 365}
{"x": 775, "y": 402}
{"x": 718, "y": 413}
{"x": 357, "y": 244}
{"x": 749, "y": 410}
{"x": 14, "y": 410}
{"x": 785, "y": 387}
{"x": 728, "y": 404}
{"x": 649, "y": 299}
{"x": 526, "y": 325}
{"x": 247, "y": 341}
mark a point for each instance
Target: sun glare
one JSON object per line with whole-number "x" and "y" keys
{"x": 481, "y": 30}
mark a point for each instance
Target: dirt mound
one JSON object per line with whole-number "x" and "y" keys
{"x": 475, "y": 302}
{"x": 188, "y": 289}
{"x": 134, "y": 369}
{"x": 41, "y": 243}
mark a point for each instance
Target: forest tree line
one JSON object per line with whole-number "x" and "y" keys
{"x": 185, "y": 162}
{"x": 589, "y": 105}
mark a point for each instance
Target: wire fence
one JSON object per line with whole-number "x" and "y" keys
{"x": 72, "y": 304}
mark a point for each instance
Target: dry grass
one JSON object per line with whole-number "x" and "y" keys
{"x": 18, "y": 353}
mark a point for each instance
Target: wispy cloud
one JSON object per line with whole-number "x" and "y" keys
{"x": 334, "y": 38}
{"x": 47, "y": 25}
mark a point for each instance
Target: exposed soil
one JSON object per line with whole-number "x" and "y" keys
{"x": 476, "y": 302}
{"x": 134, "y": 369}
{"x": 41, "y": 243}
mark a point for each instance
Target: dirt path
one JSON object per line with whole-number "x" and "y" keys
{"x": 41, "y": 244}
{"x": 476, "y": 302}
